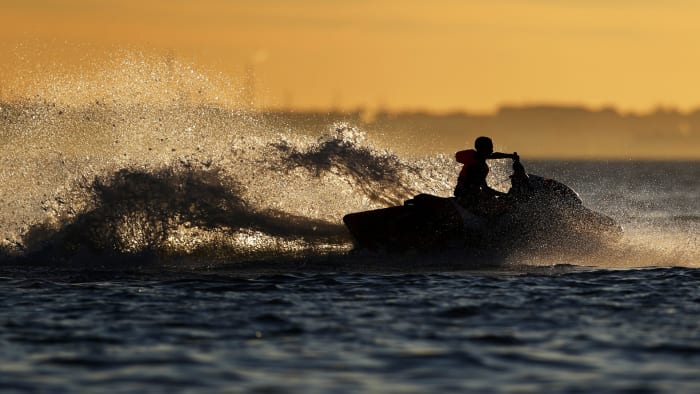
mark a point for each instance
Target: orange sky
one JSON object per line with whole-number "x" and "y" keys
{"x": 406, "y": 54}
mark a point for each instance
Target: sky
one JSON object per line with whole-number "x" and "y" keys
{"x": 439, "y": 55}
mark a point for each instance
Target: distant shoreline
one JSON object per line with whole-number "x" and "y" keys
{"x": 537, "y": 132}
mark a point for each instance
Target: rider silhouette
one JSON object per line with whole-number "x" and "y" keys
{"x": 472, "y": 191}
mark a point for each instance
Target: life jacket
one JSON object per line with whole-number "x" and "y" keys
{"x": 474, "y": 171}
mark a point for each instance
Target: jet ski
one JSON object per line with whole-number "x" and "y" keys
{"x": 542, "y": 214}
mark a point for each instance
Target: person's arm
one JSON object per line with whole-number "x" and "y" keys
{"x": 499, "y": 155}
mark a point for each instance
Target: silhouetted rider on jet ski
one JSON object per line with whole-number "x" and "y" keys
{"x": 472, "y": 191}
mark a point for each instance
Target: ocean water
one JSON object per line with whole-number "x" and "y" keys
{"x": 556, "y": 330}
{"x": 156, "y": 236}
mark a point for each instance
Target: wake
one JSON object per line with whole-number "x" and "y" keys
{"x": 173, "y": 171}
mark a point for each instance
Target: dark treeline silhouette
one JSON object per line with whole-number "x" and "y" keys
{"x": 535, "y": 131}
{"x": 542, "y": 131}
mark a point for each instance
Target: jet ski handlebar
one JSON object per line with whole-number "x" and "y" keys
{"x": 519, "y": 180}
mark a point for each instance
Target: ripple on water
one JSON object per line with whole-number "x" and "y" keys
{"x": 602, "y": 330}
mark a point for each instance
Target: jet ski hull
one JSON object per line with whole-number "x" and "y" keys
{"x": 422, "y": 223}
{"x": 544, "y": 215}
